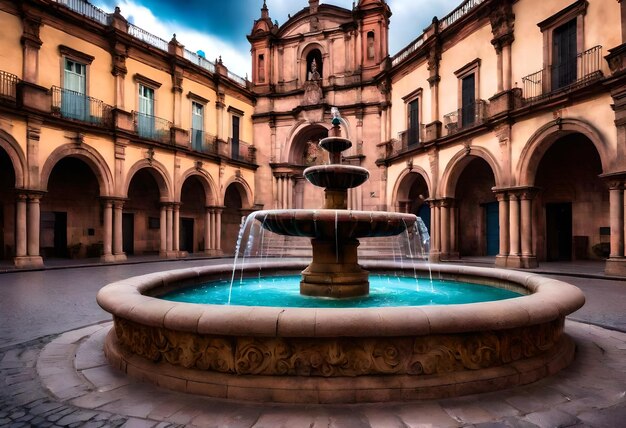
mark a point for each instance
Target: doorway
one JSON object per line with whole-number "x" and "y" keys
{"x": 492, "y": 228}
{"x": 559, "y": 231}
{"x": 186, "y": 235}
{"x": 128, "y": 233}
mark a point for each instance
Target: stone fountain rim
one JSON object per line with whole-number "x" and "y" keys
{"x": 549, "y": 299}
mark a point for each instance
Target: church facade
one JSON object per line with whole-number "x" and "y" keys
{"x": 502, "y": 125}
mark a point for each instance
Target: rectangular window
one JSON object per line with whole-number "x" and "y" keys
{"x": 145, "y": 117}
{"x": 197, "y": 125}
{"x": 414, "y": 123}
{"x": 564, "y": 55}
{"x": 73, "y": 97}
{"x": 468, "y": 100}
{"x": 235, "y": 138}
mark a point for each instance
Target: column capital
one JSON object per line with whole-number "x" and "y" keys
{"x": 520, "y": 192}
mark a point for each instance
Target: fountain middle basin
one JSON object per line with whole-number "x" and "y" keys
{"x": 321, "y": 355}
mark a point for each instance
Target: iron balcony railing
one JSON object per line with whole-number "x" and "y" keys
{"x": 237, "y": 79}
{"x": 8, "y": 85}
{"x": 86, "y": 9}
{"x": 202, "y": 141}
{"x": 458, "y": 13}
{"x": 239, "y": 150}
{"x": 407, "y": 140}
{"x": 467, "y": 116}
{"x": 149, "y": 38}
{"x": 152, "y": 127}
{"x": 199, "y": 60}
{"x": 76, "y": 106}
{"x": 404, "y": 53}
{"x": 585, "y": 68}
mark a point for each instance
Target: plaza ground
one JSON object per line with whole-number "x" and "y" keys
{"x": 52, "y": 371}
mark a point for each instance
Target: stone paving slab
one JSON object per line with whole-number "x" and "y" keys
{"x": 65, "y": 381}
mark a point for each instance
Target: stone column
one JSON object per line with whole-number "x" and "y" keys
{"x": 279, "y": 192}
{"x": 454, "y": 244}
{"x": 290, "y": 192}
{"x": 33, "y": 225}
{"x": 176, "y": 229}
{"x": 503, "y": 213}
{"x": 507, "y": 69}
{"x": 168, "y": 228}
{"x": 218, "y": 227}
{"x": 107, "y": 232}
{"x": 213, "y": 229}
{"x": 207, "y": 231}
{"x": 529, "y": 259}
{"x": 118, "y": 249}
{"x": 616, "y": 214}
{"x": 445, "y": 228}
{"x": 20, "y": 225}
{"x": 435, "y": 235}
{"x": 27, "y": 213}
{"x": 514, "y": 231}
{"x": 163, "y": 231}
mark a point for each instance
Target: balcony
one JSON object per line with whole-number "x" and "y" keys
{"x": 202, "y": 141}
{"x": 585, "y": 69}
{"x": 466, "y": 117}
{"x": 407, "y": 140}
{"x": 240, "y": 150}
{"x": 8, "y": 86}
{"x": 76, "y": 106}
{"x": 152, "y": 127}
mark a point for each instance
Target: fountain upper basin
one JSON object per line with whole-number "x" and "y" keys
{"x": 328, "y": 223}
{"x": 336, "y": 177}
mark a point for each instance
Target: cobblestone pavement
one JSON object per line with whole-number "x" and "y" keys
{"x": 64, "y": 381}
{"x": 53, "y": 373}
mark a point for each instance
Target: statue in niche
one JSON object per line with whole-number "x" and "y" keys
{"x": 313, "y": 73}
{"x": 312, "y": 90}
{"x": 312, "y": 154}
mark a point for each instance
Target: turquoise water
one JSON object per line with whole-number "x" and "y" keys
{"x": 284, "y": 291}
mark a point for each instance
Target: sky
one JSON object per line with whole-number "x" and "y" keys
{"x": 220, "y": 27}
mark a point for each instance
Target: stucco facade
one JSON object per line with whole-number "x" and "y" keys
{"x": 519, "y": 146}
{"x": 115, "y": 142}
{"x": 501, "y": 125}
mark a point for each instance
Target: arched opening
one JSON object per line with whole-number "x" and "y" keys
{"x": 314, "y": 65}
{"x": 305, "y": 151}
{"x": 7, "y": 206}
{"x": 478, "y": 226}
{"x": 413, "y": 197}
{"x": 231, "y": 217}
{"x": 371, "y": 50}
{"x": 141, "y": 217}
{"x": 572, "y": 206}
{"x": 71, "y": 213}
{"x": 192, "y": 224}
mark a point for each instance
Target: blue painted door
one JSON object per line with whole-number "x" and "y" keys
{"x": 493, "y": 228}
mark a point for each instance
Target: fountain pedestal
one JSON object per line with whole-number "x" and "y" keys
{"x": 334, "y": 271}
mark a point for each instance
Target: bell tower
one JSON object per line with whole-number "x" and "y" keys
{"x": 260, "y": 38}
{"x": 373, "y": 21}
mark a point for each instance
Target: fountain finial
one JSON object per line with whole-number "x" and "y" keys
{"x": 334, "y": 111}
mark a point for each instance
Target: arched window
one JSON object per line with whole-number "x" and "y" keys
{"x": 314, "y": 65}
{"x": 370, "y": 45}
{"x": 261, "y": 68}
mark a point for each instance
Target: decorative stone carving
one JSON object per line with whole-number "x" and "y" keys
{"x": 331, "y": 357}
{"x": 502, "y": 21}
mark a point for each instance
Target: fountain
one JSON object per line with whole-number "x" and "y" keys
{"x": 334, "y": 230}
{"x": 346, "y": 354}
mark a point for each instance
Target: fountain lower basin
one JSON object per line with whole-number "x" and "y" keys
{"x": 346, "y": 355}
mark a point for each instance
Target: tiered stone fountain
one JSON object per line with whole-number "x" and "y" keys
{"x": 334, "y": 230}
{"x": 338, "y": 355}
